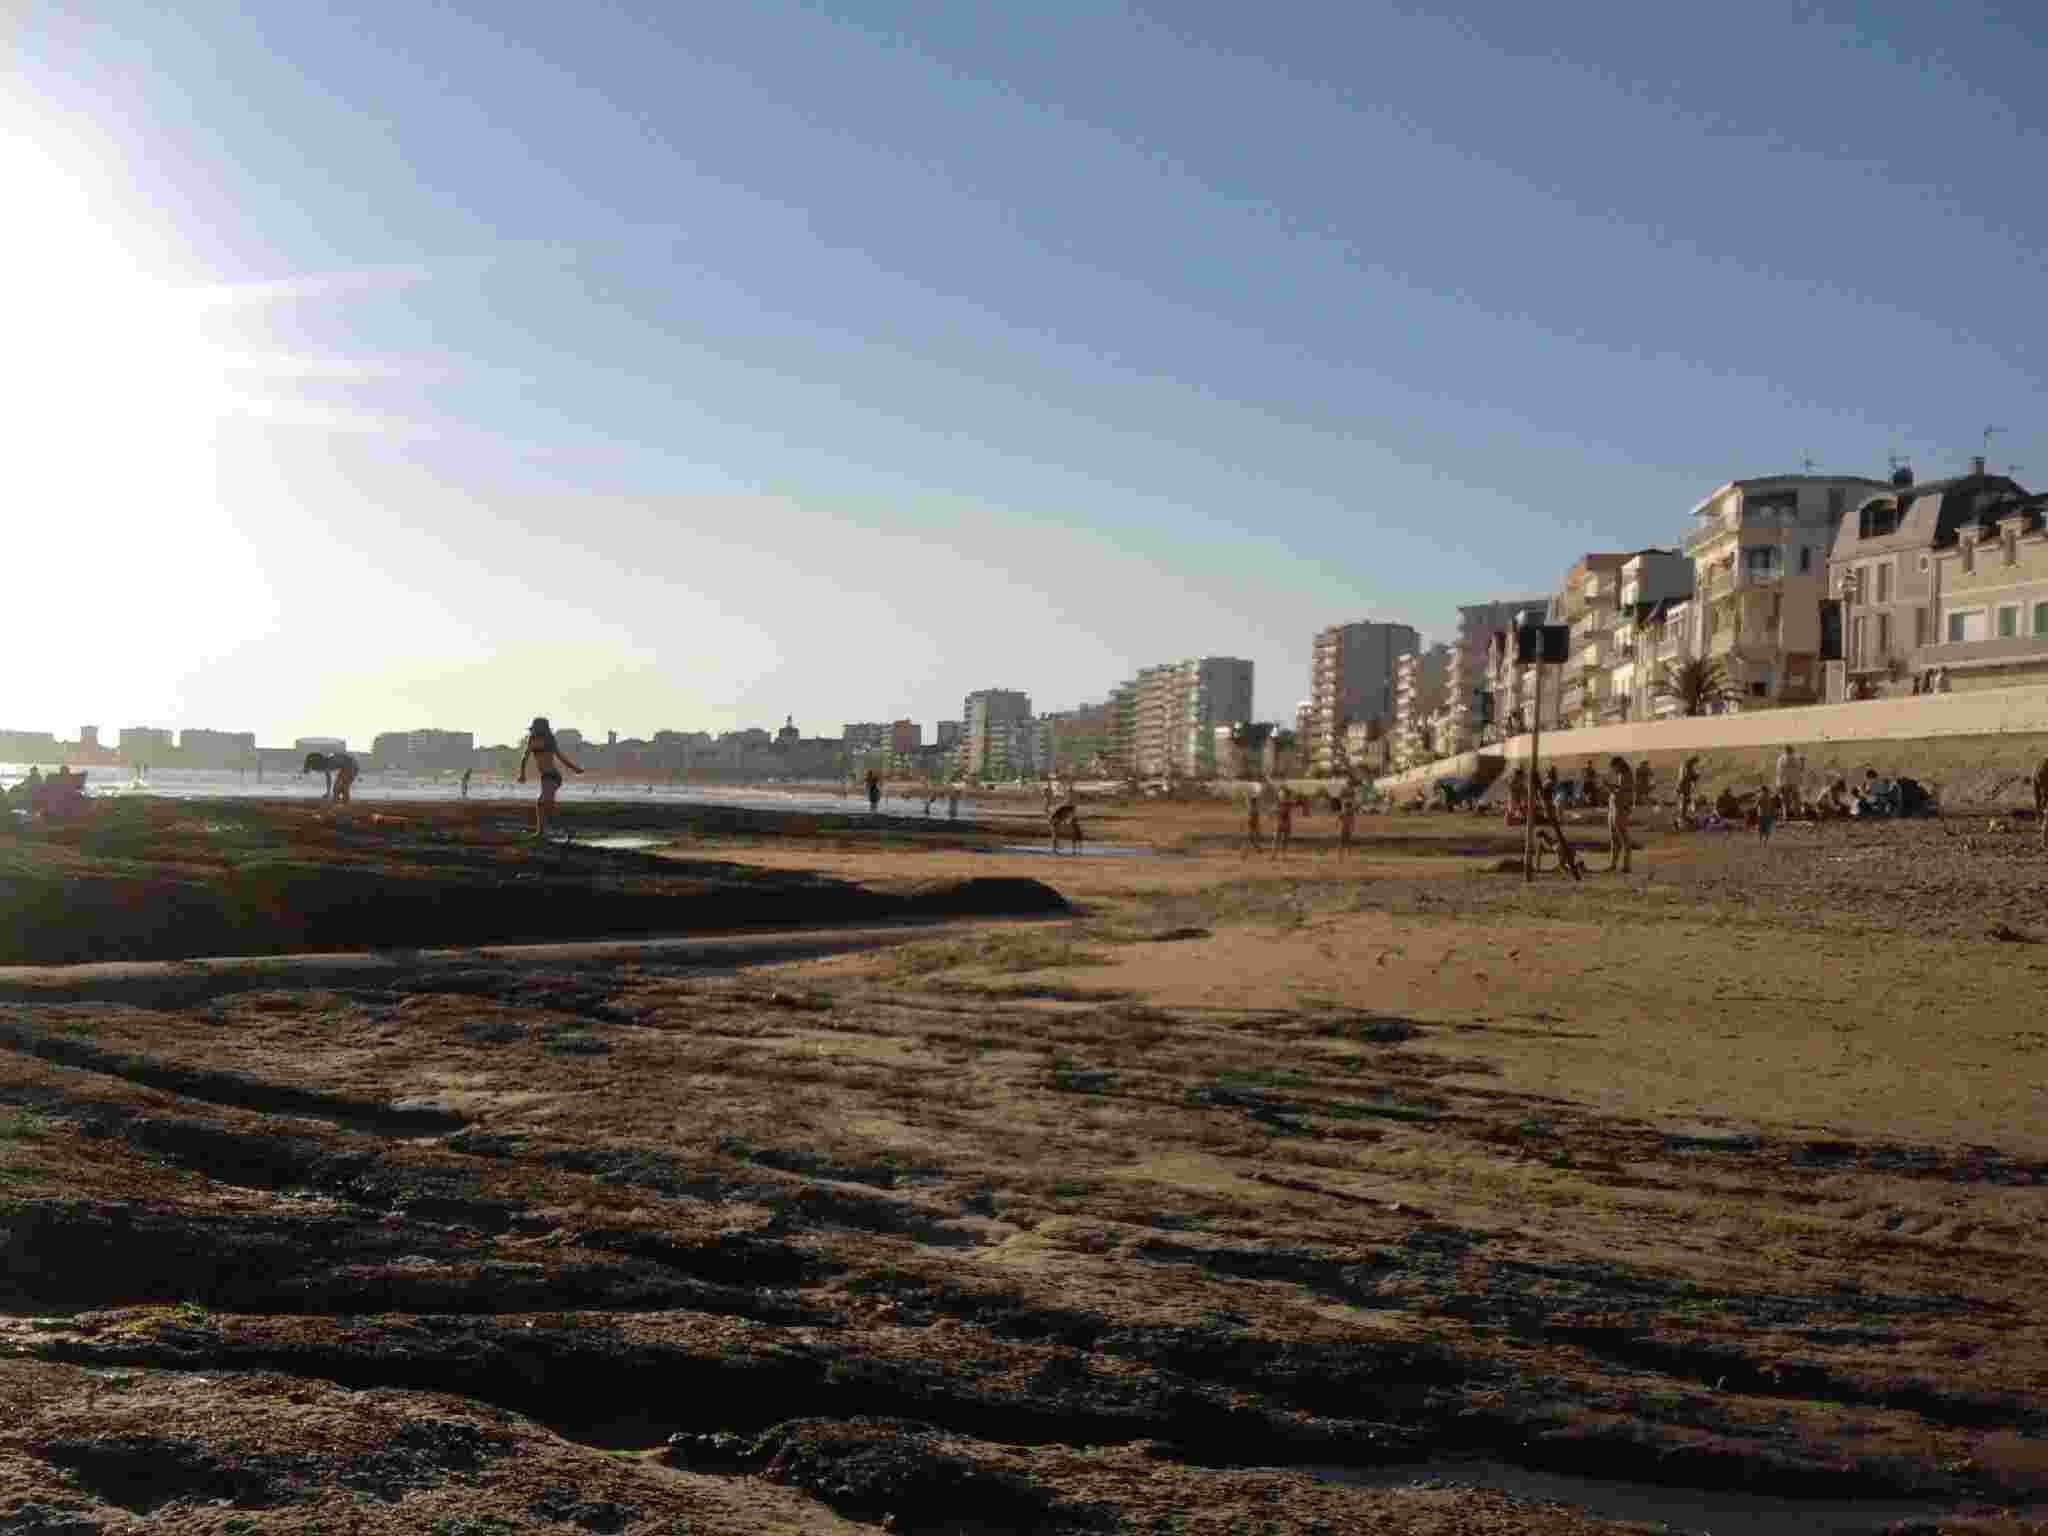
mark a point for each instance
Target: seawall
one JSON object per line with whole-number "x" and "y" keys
{"x": 1982, "y": 712}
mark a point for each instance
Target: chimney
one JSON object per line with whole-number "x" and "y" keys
{"x": 1903, "y": 475}
{"x": 1977, "y": 464}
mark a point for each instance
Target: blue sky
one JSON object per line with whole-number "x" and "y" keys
{"x": 690, "y": 366}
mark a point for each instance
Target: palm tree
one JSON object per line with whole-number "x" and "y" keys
{"x": 1698, "y": 685}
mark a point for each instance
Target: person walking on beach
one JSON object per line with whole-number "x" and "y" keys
{"x": 465, "y": 781}
{"x": 1283, "y": 825}
{"x": 546, "y": 753}
{"x": 1347, "y": 819}
{"x": 1688, "y": 793}
{"x": 874, "y": 793}
{"x": 1787, "y": 772}
{"x": 1621, "y": 804}
{"x": 1254, "y": 836}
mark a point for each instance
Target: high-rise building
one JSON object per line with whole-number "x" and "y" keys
{"x": 905, "y": 737}
{"x": 948, "y": 735}
{"x": 1181, "y": 704}
{"x": 1352, "y": 679}
{"x": 986, "y": 718}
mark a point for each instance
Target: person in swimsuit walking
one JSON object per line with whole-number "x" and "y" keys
{"x": 546, "y": 753}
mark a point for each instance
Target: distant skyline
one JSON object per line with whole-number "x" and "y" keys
{"x": 407, "y": 365}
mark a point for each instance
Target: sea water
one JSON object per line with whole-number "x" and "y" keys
{"x": 229, "y": 783}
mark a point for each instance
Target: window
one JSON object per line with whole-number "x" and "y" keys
{"x": 1838, "y": 499}
{"x": 2011, "y": 541}
{"x": 1966, "y": 624}
{"x": 1760, "y": 560}
{"x": 1877, "y": 517}
{"x": 1920, "y": 625}
{"x": 2041, "y": 618}
{"x": 2008, "y": 621}
{"x": 1956, "y": 627}
{"x": 1805, "y": 559}
{"x": 1924, "y": 562}
{"x": 1884, "y": 581}
{"x": 1760, "y": 689}
{"x": 1884, "y": 636}
{"x": 1858, "y": 628}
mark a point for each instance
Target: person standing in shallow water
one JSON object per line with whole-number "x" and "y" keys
{"x": 549, "y": 759}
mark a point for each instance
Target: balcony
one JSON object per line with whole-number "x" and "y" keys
{"x": 1719, "y": 526}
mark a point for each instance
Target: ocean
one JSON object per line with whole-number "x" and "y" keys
{"x": 209, "y": 784}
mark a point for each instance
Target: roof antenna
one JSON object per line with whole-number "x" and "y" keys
{"x": 1989, "y": 433}
{"x": 1808, "y": 463}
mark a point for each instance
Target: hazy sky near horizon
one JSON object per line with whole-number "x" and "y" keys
{"x": 390, "y": 365}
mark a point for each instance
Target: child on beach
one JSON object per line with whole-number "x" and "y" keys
{"x": 1283, "y": 824}
{"x": 1767, "y": 806}
{"x": 542, "y": 747}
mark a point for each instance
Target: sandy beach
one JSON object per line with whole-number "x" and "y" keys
{"x": 1224, "y": 1193}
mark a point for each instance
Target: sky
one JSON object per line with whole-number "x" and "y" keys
{"x": 384, "y": 366}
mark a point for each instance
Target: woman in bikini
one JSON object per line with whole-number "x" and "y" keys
{"x": 545, "y": 752}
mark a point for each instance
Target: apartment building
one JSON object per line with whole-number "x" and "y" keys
{"x": 1759, "y": 549}
{"x": 1470, "y": 677}
{"x": 1885, "y": 567}
{"x": 1351, "y": 678}
{"x": 1513, "y": 687}
{"x": 1162, "y": 723}
{"x": 1651, "y": 583}
{"x": 990, "y": 718}
{"x": 1419, "y": 685}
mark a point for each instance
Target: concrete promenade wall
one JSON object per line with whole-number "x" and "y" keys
{"x": 1981, "y": 712}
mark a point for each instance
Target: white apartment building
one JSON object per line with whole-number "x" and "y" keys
{"x": 1419, "y": 679}
{"x": 1352, "y": 678}
{"x": 1470, "y": 675}
{"x": 1650, "y": 582}
{"x": 1514, "y": 687}
{"x": 1759, "y": 550}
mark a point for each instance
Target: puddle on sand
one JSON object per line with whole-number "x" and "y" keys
{"x": 1720, "y": 1511}
{"x": 1088, "y": 850}
{"x": 627, "y": 840}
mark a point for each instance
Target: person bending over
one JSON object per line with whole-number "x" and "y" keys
{"x": 340, "y": 770}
